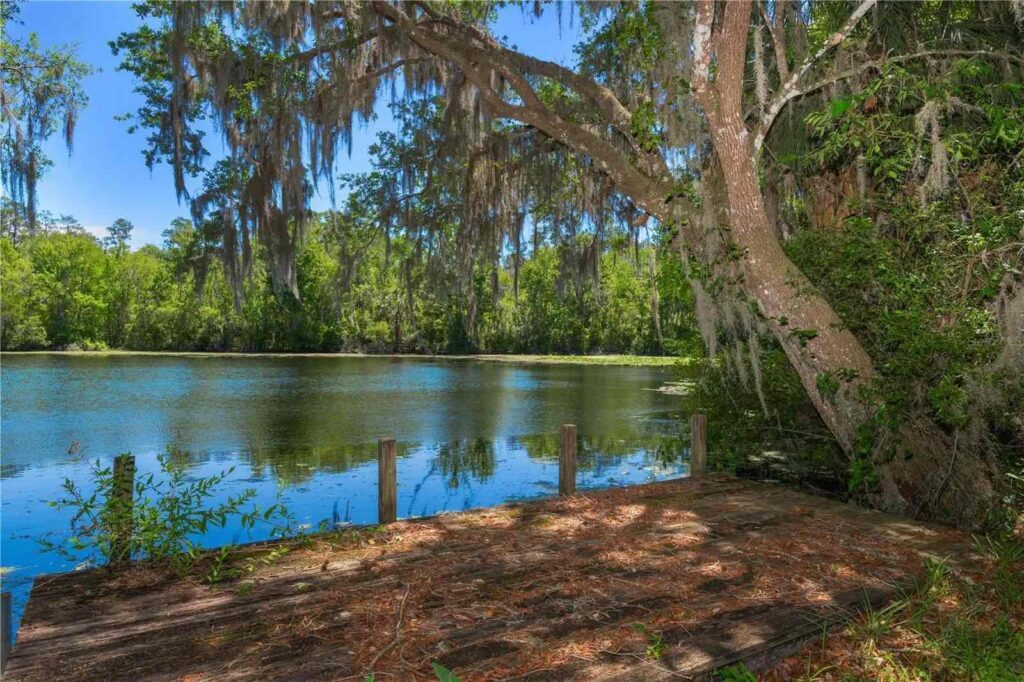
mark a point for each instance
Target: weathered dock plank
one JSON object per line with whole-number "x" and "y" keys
{"x": 648, "y": 582}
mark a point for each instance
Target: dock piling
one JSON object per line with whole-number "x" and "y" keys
{"x": 698, "y": 444}
{"x": 567, "y": 461}
{"x": 6, "y": 629}
{"x": 387, "y": 481}
{"x": 121, "y": 502}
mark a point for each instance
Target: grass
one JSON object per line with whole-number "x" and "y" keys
{"x": 958, "y": 625}
{"x": 620, "y": 360}
{"x": 626, "y": 360}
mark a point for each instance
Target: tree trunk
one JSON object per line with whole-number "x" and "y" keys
{"x": 809, "y": 331}
{"x": 914, "y": 476}
{"x": 656, "y": 301}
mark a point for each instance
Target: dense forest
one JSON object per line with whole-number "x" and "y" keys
{"x": 63, "y": 288}
{"x": 362, "y": 285}
{"x": 828, "y": 195}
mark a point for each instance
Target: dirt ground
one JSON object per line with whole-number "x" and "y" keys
{"x": 661, "y": 581}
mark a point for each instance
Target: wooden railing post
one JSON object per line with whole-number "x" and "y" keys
{"x": 387, "y": 481}
{"x": 567, "y": 461}
{"x": 698, "y": 444}
{"x": 6, "y": 629}
{"x": 121, "y": 502}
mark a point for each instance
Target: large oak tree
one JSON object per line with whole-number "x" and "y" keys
{"x": 667, "y": 94}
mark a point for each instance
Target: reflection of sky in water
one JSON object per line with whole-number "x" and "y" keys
{"x": 470, "y": 434}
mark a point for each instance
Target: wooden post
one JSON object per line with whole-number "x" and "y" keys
{"x": 567, "y": 461}
{"x": 387, "y": 481}
{"x": 121, "y": 501}
{"x": 6, "y": 629}
{"x": 698, "y": 445}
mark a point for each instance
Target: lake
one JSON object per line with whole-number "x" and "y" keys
{"x": 304, "y": 429}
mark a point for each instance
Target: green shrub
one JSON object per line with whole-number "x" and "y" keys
{"x": 169, "y": 514}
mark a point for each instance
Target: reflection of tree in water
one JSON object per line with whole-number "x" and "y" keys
{"x": 291, "y": 466}
{"x": 600, "y": 453}
{"x": 186, "y": 459}
{"x": 662, "y": 437}
{"x": 460, "y": 460}
{"x": 670, "y": 449}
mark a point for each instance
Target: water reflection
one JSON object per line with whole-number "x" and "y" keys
{"x": 469, "y": 434}
{"x": 462, "y": 461}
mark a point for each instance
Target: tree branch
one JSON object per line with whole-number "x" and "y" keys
{"x": 772, "y": 115}
{"x": 388, "y": 69}
{"x": 778, "y": 40}
{"x": 605, "y": 100}
{"x": 783, "y": 96}
{"x": 477, "y": 61}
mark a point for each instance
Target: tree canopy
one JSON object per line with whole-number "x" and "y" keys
{"x": 40, "y": 92}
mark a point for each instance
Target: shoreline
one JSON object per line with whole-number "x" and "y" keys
{"x": 526, "y": 359}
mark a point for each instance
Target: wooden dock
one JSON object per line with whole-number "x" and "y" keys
{"x": 661, "y": 581}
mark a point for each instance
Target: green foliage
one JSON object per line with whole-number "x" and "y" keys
{"x": 118, "y": 235}
{"x": 65, "y": 291}
{"x": 442, "y": 673}
{"x": 961, "y": 644}
{"x": 915, "y": 268}
{"x": 827, "y": 385}
{"x": 644, "y": 127}
{"x": 949, "y": 627}
{"x": 388, "y": 272}
{"x": 68, "y": 280}
{"x": 42, "y": 92}
{"x": 735, "y": 673}
{"x": 879, "y": 622}
{"x": 224, "y": 566}
{"x": 1007, "y": 552}
{"x": 656, "y": 646}
{"x": 165, "y": 521}
{"x": 804, "y": 335}
{"x": 20, "y": 323}
{"x": 790, "y": 445}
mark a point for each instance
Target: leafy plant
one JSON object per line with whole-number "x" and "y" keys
{"x": 827, "y": 385}
{"x": 443, "y": 673}
{"x": 165, "y": 521}
{"x": 736, "y": 673}
{"x": 1008, "y": 553}
{"x": 655, "y": 646}
{"x": 879, "y": 622}
{"x": 221, "y": 567}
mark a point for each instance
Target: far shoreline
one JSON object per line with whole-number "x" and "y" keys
{"x": 526, "y": 359}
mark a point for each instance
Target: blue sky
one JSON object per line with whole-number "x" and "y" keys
{"x": 106, "y": 178}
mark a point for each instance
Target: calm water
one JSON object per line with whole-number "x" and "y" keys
{"x": 470, "y": 434}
